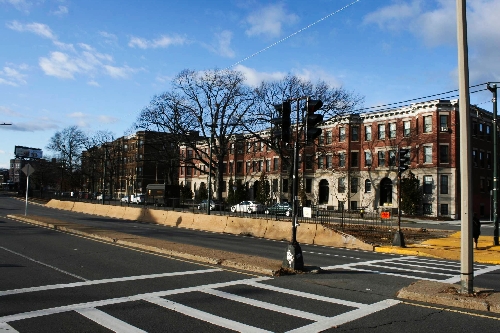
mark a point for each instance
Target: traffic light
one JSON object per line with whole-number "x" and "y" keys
{"x": 404, "y": 159}
{"x": 281, "y": 130}
{"x": 313, "y": 119}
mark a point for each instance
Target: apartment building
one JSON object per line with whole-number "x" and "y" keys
{"x": 354, "y": 164}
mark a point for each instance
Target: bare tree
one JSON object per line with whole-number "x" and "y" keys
{"x": 68, "y": 145}
{"x": 213, "y": 104}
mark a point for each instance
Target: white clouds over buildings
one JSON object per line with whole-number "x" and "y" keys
{"x": 268, "y": 21}
{"x": 161, "y": 42}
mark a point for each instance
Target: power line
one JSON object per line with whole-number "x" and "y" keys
{"x": 419, "y": 98}
{"x": 295, "y": 33}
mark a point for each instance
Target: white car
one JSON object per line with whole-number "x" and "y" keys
{"x": 248, "y": 207}
{"x": 125, "y": 199}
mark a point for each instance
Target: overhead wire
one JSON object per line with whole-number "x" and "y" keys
{"x": 293, "y": 34}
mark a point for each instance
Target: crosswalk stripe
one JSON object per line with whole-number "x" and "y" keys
{"x": 110, "y": 322}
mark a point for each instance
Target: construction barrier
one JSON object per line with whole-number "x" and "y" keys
{"x": 83, "y": 207}
{"x": 179, "y": 219}
{"x": 101, "y": 210}
{"x": 246, "y": 226}
{"x": 133, "y": 213}
{"x": 328, "y": 237}
{"x": 116, "y": 212}
{"x": 214, "y": 223}
{"x": 279, "y": 230}
{"x": 153, "y": 216}
{"x": 306, "y": 233}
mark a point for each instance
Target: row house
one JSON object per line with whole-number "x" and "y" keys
{"x": 354, "y": 163}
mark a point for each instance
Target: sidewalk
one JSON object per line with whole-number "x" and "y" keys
{"x": 449, "y": 248}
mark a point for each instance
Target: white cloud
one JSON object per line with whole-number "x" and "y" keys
{"x": 437, "y": 26}
{"x": 314, "y": 74}
{"x": 254, "y": 78}
{"x": 120, "y": 72}
{"x": 224, "y": 44}
{"x": 108, "y": 119}
{"x": 109, "y": 37}
{"x": 93, "y": 83}
{"x": 39, "y": 29}
{"x": 9, "y": 112}
{"x": 12, "y": 76}
{"x": 61, "y": 11}
{"x": 162, "y": 42}
{"x": 59, "y": 65}
{"x": 21, "y": 5}
{"x": 269, "y": 21}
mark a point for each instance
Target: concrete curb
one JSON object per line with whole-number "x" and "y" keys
{"x": 448, "y": 295}
{"x": 249, "y": 263}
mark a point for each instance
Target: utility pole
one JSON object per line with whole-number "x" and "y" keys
{"x": 466, "y": 254}
{"x": 493, "y": 89}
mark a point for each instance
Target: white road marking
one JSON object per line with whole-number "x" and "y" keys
{"x": 331, "y": 255}
{"x": 267, "y": 306}
{"x": 44, "y": 264}
{"x": 344, "y": 318}
{"x": 95, "y": 282}
{"x": 478, "y": 272}
{"x": 108, "y": 321}
{"x": 201, "y": 315}
{"x": 6, "y": 328}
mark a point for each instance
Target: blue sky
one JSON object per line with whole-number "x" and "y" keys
{"x": 96, "y": 64}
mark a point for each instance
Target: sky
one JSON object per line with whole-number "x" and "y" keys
{"x": 96, "y": 63}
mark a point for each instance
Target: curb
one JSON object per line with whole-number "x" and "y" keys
{"x": 448, "y": 295}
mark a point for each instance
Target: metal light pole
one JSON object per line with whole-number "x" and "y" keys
{"x": 212, "y": 128}
{"x": 466, "y": 254}
{"x": 493, "y": 89}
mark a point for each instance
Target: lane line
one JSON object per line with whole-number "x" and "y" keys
{"x": 103, "y": 281}
{"x": 478, "y": 272}
{"x": 412, "y": 270}
{"x": 44, "y": 264}
{"x": 347, "y": 317}
{"x": 204, "y": 316}
{"x": 265, "y": 305}
{"x": 331, "y": 255}
{"x": 385, "y": 273}
{"x": 110, "y": 322}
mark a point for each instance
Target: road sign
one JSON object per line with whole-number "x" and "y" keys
{"x": 28, "y": 170}
{"x": 385, "y": 215}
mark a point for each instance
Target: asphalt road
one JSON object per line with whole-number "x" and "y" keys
{"x": 52, "y": 281}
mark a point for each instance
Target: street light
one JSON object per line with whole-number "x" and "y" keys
{"x": 493, "y": 89}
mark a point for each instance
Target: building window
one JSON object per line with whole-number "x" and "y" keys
{"x": 443, "y": 121}
{"x": 354, "y": 133}
{"x": 406, "y": 129}
{"x": 368, "y": 158}
{"x": 481, "y": 185}
{"x": 341, "y": 134}
{"x": 444, "y": 209}
{"x": 341, "y": 185}
{"x": 285, "y": 185}
{"x": 392, "y": 158}
{"x": 381, "y": 131}
{"x": 354, "y": 185}
{"x": 392, "y": 130}
{"x": 275, "y": 185}
{"x": 474, "y": 157}
{"x": 239, "y": 167}
{"x": 321, "y": 139}
{"x": 427, "y": 208}
{"x": 427, "y": 185}
{"x": 481, "y": 159}
{"x": 321, "y": 162}
{"x": 354, "y": 205}
{"x": 474, "y": 128}
{"x": 308, "y": 185}
{"x": 329, "y": 163}
{"x": 329, "y": 138}
{"x": 341, "y": 160}
{"x": 443, "y": 184}
{"x": 381, "y": 158}
{"x": 354, "y": 159}
{"x": 368, "y": 186}
{"x": 368, "y": 133}
{"x": 427, "y": 154}
{"x": 444, "y": 156}
{"x": 276, "y": 162}
{"x": 488, "y": 160}
{"x": 309, "y": 162}
{"x": 427, "y": 124}
{"x": 261, "y": 166}
{"x": 488, "y": 132}
{"x": 249, "y": 165}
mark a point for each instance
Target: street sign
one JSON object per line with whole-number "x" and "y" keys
{"x": 385, "y": 215}
{"x": 27, "y": 152}
{"x": 28, "y": 170}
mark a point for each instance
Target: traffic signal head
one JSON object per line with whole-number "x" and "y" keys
{"x": 281, "y": 129}
{"x": 313, "y": 119}
{"x": 404, "y": 159}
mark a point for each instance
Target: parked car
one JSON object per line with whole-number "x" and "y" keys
{"x": 106, "y": 197}
{"x": 248, "y": 207}
{"x": 125, "y": 199}
{"x": 139, "y": 199}
{"x": 214, "y": 205}
{"x": 279, "y": 208}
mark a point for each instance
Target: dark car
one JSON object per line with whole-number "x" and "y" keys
{"x": 214, "y": 205}
{"x": 280, "y": 208}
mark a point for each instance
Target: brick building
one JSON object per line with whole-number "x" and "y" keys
{"x": 355, "y": 162}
